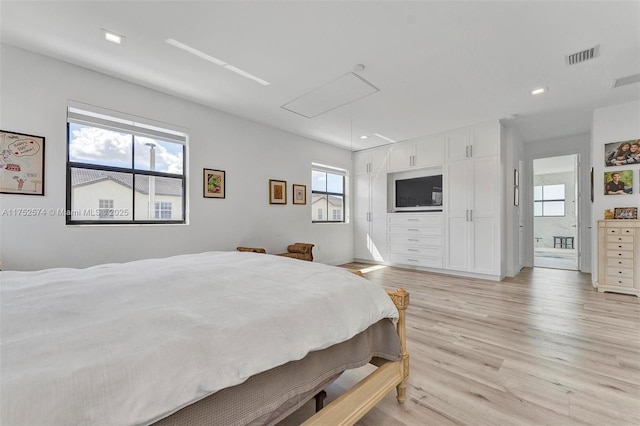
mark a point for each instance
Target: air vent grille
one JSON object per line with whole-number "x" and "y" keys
{"x": 584, "y": 55}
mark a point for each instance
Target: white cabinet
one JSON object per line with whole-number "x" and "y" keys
{"x": 416, "y": 153}
{"x": 415, "y": 239}
{"x": 472, "y": 222}
{"x": 370, "y": 205}
{"x": 481, "y": 140}
{"x": 619, "y": 256}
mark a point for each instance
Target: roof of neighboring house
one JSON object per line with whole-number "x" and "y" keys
{"x": 164, "y": 186}
{"x": 333, "y": 200}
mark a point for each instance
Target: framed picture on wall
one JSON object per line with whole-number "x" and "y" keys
{"x": 277, "y": 191}
{"x": 214, "y": 183}
{"x": 619, "y": 182}
{"x": 299, "y": 194}
{"x": 21, "y": 163}
{"x": 622, "y": 153}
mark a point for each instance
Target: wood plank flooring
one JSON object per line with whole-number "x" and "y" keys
{"x": 542, "y": 348}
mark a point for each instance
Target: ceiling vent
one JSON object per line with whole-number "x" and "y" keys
{"x": 626, "y": 80}
{"x": 584, "y": 55}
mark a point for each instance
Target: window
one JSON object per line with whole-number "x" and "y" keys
{"x": 163, "y": 210}
{"x": 327, "y": 193}
{"x": 105, "y": 209}
{"x": 548, "y": 200}
{"x": 133, "y": 171}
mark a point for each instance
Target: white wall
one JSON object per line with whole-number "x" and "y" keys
{"x": 577, "y": 144}
{"x": 35, "y": 91}
{"x": 612, "y": 124}
{"x": 514, "y": 152}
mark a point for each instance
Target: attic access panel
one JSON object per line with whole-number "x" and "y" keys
{"x": 341, "y": 91}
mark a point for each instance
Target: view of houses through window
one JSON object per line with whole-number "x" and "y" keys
{"x": 327, "y": 193}
{"x": 123, "y": 172}
{"x": 548, "y": 200}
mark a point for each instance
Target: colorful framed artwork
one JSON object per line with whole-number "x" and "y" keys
{"x": 277, "y": 191}
{"x": 619, "y": 182}
{"x": 214, "y": 183}
{"x": 622, "y": 153}
{"x": 625, "y": 213}
{"x": 299, "y": 194}
{"x": 21, "y": 163}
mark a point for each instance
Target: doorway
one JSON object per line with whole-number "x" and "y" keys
{"x": 555, "y": 212}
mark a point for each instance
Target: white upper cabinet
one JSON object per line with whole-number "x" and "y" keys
{"x": 481, "y": 140}
{"x": 416, "y": 153}
{"x": 370, "y": 161}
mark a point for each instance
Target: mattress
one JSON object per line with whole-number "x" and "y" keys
{"x": 132, "y": 343}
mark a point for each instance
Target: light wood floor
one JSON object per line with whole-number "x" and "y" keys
{"x": 543, "y": 348}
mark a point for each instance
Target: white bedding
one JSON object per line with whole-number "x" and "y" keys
{"x": 125, "y": 344}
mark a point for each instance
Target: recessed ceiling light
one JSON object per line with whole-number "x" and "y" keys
{"x": 538, "y": 91}
{"x": 112, "y": 37}
{"x": 364, "y": 137}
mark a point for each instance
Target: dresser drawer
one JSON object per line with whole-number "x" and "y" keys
{"x": 418, "y": 241}
{"x": 613, "y": 231}
{"x": 619, "y": 239}
{"x": 415, "y": 251}
{"x": 434, "y": 219}
{"x": 620, "y": 246}
{"x": 619, "y": 281}
{"x": 425, "y": 262}
{"x": 627, "y": 231}
{"x": 619, "y": 263}
{"x": 619, "y": 254}
{"x": 414, "y": 230}
{"x": 620, "y": 272}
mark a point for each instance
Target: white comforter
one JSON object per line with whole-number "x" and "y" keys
{"x": 125, "y": 344}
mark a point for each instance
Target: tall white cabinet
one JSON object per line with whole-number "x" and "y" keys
{"x": 370, "y": 205}
{"x": 472, "y": 198}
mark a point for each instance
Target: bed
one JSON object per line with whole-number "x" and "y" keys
{"x": 210, "y": 338}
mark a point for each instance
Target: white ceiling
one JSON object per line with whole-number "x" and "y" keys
{"x": 439, "y": 65}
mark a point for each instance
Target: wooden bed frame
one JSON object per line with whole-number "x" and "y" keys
{"x": 357, "y": 401}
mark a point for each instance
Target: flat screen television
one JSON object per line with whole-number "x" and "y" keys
{"x": 418, "y": 193}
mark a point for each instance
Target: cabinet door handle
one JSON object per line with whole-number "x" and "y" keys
{"x": 412, "y": 249}
{"x": 470, "y": 150}
{"x": 413, "y": 220}
{"x": 412, "y": 260}
{"x": 416, "y": 240}
{"x": 466, "y": 212}
{"x": 466, "y": 151}
{"x": 413, "y": 229}
{"x": 471, "y": 215}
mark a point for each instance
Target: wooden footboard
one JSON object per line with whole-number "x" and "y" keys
{"x": 357, "y": 401}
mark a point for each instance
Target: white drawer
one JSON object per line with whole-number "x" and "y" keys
{"x": 627, "y": 231}
{"x": 620, "y": 263}
{"x": 620, "y": 246}
{"x": 415, "y": 251}
{"x": 432, "y": 219}
{"x": 415, "y": 241}
{"x": 414, "y": 230}
{"x": 619, "y": 281}
{"x": 619, "y": 238}
{"x": 620, "y": 272}
{"x": 613, "y": 231}
{"x": 425, "y": 262}
{"x": 619, "y": 254}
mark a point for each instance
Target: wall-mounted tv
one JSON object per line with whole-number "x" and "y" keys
{"x": 418, "y": 193}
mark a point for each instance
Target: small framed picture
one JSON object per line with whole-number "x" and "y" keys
{"x": 619, "y": 182}
{"x": 213, "y": 184}
{"x": 21, "y": 163}
{"x": 625, "y": 213}
{"x": 299, "y": 194}
{"x": 277, "y": 191}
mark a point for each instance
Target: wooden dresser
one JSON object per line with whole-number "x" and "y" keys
{"x": 619, "y": 256}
